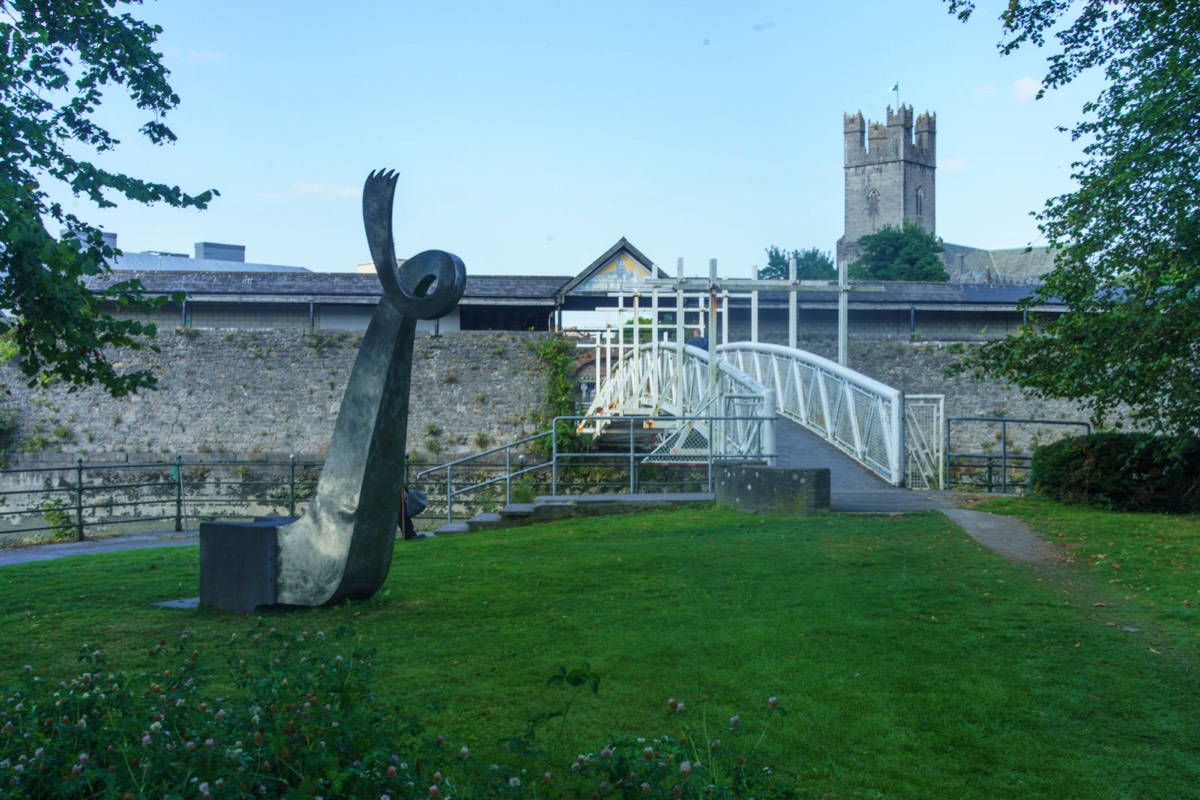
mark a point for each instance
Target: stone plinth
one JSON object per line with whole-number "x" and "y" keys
{"x": 238, "y": 563}
{"x": 779, "y": 490}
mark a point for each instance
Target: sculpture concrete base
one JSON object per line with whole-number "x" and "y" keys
{"x": 778, "y": 490}
{"x": 238, "y": 563}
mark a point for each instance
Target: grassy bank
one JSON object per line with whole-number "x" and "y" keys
{"x": 911, "y": 661}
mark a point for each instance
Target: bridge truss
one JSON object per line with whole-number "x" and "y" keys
{"x": 749, "y": 383}
{"x": 728, "y": 413}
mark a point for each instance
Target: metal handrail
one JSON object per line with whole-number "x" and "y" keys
{"x": 632, "y": 456}
{"x": 507, "y": 477}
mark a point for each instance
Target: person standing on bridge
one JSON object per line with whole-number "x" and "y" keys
{"x": 698, "y": 340}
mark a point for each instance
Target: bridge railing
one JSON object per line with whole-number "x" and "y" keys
{"x": 861, "y": 416}
{"x": 662, "y": 378}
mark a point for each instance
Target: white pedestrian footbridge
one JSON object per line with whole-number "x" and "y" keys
{"x": 672, "y": 405}
{"x": 735, "y": 402}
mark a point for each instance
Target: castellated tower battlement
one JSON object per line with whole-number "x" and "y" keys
{"x": 889, "y": 174}
{"x": 874, "y": 142}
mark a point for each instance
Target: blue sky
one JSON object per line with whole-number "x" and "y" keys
{"x": 530, "y": 136}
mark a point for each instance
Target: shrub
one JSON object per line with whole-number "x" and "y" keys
{"x": 56, "y": 515}
{"x": 1121, "y": 471}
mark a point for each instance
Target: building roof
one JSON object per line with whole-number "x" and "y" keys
{"x": 328, "y": 286}
{"x": 998, "y": 279}
{"x": 178, "y": 262}
{"x": 610, "y": 272}
{"x": 1015, "y": 265}
{"x": 898, "y": 294}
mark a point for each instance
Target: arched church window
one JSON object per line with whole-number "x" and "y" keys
{"x": 920, "y": 201}
{"x": 873, "y": 203}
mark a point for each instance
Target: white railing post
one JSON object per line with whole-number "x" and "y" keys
{"x": 793, "y": 322}
{"x": 768, "y": 428}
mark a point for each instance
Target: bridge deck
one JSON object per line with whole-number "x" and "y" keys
{"x": 852, "y": 486}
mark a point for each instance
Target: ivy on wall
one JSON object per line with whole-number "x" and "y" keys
{"x": 556, "y": 354}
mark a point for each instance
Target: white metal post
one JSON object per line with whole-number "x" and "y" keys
{"x": 768, "y": 427}
{"x": 843, "y": 315}
{"x": 596, "y": 371}
{"x": 792, "y": 320}
{"x": 620, "y": 326}
{"x": 655, "y": 387}
{"x": 754, "y": 316}
{"x": 607, "y": 350}
{"x": 725, "y": 317}
{"x": 712, "y": 326}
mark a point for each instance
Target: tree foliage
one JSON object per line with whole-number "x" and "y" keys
{"x": 1128, "y": 237}
{"x": 57, "y": 62}
{"x": 811, "y": 265}
{"x": 909, "y": 253}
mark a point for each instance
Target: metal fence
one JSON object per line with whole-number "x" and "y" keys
{"x": 1001, "y": 467}
{"x": 70, "y": 501}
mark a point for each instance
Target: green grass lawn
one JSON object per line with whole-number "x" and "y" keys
{"x": 911, "y": 661}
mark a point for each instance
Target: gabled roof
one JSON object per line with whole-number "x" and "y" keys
{"x": 1012, "y": 266}
{"x": 622, "y": 266}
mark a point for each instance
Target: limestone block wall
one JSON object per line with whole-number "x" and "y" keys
{"x": 919, "y": 367}
{"x": 255, "y": 393}
{"x": 235, "y": 394}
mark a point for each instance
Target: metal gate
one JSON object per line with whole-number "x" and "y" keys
{"x": 925, "y": 441}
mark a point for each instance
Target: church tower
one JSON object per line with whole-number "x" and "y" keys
{"x": 889, "y": 175}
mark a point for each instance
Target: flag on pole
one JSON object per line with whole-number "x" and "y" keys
{"x": 895, "y": 87}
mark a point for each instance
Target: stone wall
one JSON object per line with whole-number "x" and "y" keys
{"x": 255, "y": 393}
{"x": 236, "y": 394}
{"x": 919, "y": 368}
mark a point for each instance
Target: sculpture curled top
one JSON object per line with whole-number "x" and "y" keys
{"x": 407, "y": 287}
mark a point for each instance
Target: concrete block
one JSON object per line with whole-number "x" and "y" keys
{"x": 238, "y": 564}
{"x": 780, "y": 490}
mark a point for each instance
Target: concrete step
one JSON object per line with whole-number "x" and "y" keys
{"x": 517, "y": 511}
{"x": 487, "y": 522}
{"x": 548, "y": 509}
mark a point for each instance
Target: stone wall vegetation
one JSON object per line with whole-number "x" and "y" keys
{"x": 250, "y": 393}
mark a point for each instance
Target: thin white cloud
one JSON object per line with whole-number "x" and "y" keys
{"x": 986, "y": 90}
{"x": 205, "y": 56}
{"x": 323, "y": 190}
{"x": 956, "y": 164}
{"x": 1026, "y": 89}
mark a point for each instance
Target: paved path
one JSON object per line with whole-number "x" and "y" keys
{"x": 853, "y": 487}
{"x": 133, "y": 541}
